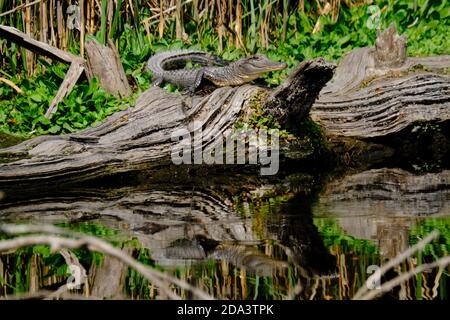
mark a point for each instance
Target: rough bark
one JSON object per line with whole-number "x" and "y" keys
{"x": 292, "y": 100}
{"x": 380, "y": 91}
{"x": 140, "y": 137}
{"x": 104, "y": 64}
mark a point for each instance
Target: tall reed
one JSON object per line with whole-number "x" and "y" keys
{"x": 245, "y": 24}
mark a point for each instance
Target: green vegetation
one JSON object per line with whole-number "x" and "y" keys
{"x": 333, "y": 235}
{"x": 281, "y": 29}
{"x": 24, "y": 114}
{"x": 439, "y": 247}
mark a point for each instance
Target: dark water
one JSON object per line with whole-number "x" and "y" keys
{"x": 253, "y": 240}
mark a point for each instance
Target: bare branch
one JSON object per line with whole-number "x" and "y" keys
{"x": 160, "y": 279}
{"x": 47, "y": 294}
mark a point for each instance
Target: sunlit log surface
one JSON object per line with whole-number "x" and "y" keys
{"x": 380, "y": 91}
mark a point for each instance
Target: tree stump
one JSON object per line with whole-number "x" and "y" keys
{"x": 104, "y": 64}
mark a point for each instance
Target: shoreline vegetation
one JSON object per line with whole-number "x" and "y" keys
{"x": 289, "y": 31}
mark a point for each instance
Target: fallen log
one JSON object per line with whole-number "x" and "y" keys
{"x": 142, "y": 137}
{"x": 380, "y": 91}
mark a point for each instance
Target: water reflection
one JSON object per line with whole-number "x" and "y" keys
{"x": 384, "y": 204}
{"x": 283, "y": 246}
{"x": 390, "y": 209}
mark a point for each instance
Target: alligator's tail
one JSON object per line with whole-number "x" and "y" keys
{"x": 169, "y": 60}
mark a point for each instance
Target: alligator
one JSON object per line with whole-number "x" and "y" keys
{"x": 165, "y": 67}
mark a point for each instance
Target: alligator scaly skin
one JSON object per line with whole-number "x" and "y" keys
{"x": 229, "y": 74}
{"x": 163, "y": 66}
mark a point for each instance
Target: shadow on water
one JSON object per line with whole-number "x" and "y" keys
{"x": 292, "y": 238}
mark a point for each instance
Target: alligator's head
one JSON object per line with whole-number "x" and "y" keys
{"x": 254, "y": 66}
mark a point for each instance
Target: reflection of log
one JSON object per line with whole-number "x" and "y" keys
{"x": 109, "y": 278}
{"x": 140, "y": 137}
{"x": 180, "y": 226}
{"x": 383, "y": 204}
{"x": 387, "y": 192}
{"x": 379, "y": 91}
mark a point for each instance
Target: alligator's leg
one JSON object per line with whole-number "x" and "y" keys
{"x": 157, "y": 81}
{"x": 197, "y": 81}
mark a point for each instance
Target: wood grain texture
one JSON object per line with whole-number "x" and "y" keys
{"x": 179, "y": 224}
{"x": 140, "y": 137}
{"x": 104, "y": 63}
{"x": 379, "y": 91}
{"x": 31, "y": 44}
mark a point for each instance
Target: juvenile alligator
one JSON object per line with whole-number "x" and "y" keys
{"x": 217, "y": 71}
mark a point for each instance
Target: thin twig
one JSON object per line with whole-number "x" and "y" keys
{"x": 22, "y": 6}
{"x": 47, "y": 294}
{"x": 11, "y": 84}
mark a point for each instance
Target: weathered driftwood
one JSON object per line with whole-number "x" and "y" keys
{"x": 140, "y": 137}
{"x": 24, "y": 40}
{"x": 76, "y": 63}
{"x": 71, "y": 78}
{"x": 380, "y": 91}
{"x": 292, "y": 100}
